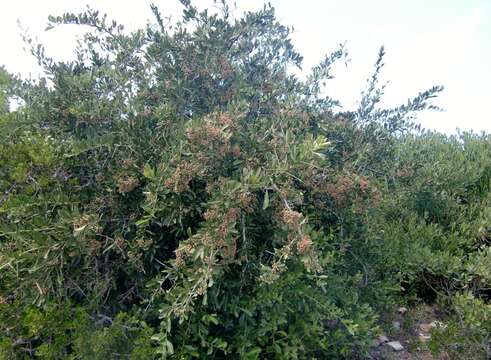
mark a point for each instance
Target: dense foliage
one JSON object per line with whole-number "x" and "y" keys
{"x": 175, "y": 192}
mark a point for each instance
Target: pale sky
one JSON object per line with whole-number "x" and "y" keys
{"x": 428, "y": 42}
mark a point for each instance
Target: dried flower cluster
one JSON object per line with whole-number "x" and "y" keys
{"x": 183, "y": 174}
{"x": 127, "y": 184}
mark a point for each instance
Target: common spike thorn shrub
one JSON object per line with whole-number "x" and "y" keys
{"x": 176, "y": 192}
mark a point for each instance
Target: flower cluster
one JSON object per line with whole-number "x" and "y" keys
{"x": 211, "y": 136}
{"x": 127, "y": 184}
{"x": 183, "y": 174}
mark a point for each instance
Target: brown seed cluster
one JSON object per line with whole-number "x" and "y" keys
{"x": 341, "y": 189}
{"x": 127, "y": 163}
{"x": 182, "y": 252}
{"x": 404, "y": 172}
{"x": 144, "y": 244}
{"x": 363, "y": 183}
{"x": 210, "y": 214}
{"x": 247, "y": 200}
{"x": 291, "y": 217}
{"x": 228, "y": 219}
{"x": 212, "y": 136}
{"x": 304, "y": 245}
{"x": 135, "y": 258}
{"x": 215, "y": 237}
{"x": 183, "y": 174}
{"x": 225, "y": 120}
{"x": 95, "y": 247}
{"x": 120, "y": 242}
{"x": 127, "y": 184}
{"x": 350, "y": 186}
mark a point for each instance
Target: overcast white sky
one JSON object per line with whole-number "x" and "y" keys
{"x": 428, "y": 42}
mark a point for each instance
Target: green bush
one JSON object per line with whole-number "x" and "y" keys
{"x": 176, "y": 192}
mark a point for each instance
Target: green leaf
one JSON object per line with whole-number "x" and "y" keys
{"x": 253, "y": 354}
{"x": 148, "y": 172}
{"x": 266, "y": 200}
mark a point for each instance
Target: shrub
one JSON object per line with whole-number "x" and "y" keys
{"x": 175, "y": 192}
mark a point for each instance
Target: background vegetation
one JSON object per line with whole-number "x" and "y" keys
{"x": 176, "y": 192}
